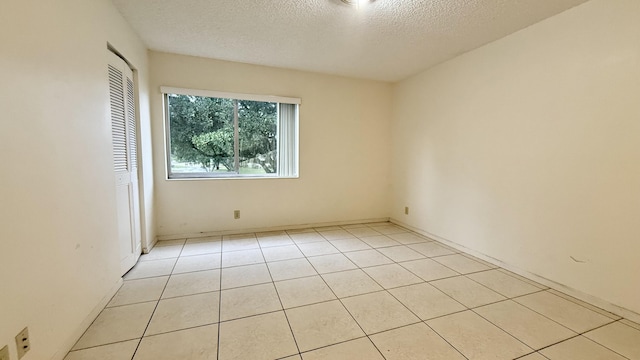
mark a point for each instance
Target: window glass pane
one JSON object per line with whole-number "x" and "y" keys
{"x": 201, "y": 134}
{"x": 258, "y": 127}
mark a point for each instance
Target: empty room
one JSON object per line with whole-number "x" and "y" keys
{"x": 321, "y": 179}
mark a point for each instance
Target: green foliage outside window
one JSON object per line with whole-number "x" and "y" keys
{"x": 202, "y": 132}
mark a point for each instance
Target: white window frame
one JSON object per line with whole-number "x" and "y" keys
{"x": 288, "y": 152}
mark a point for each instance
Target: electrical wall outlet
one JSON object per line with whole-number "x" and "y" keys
{"x": 22, "y": 342}
{"x": 236, "y": 214}
{"x": 4, "y": 353}
{"x": 406, "y": 210}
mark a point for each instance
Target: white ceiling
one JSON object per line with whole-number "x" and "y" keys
{"x": 387, "y": 40}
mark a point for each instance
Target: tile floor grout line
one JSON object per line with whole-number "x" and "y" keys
{"x": 383, "y": 290}
{"x": 219, "y": 305}
{"x": 286, "y": 317}
{"x": 105, "y": 344}
{"x": 496, "y": 291}
{"x": 343, "y": 306}
{"x": 444, "y": 339}
{"x": 604, "y": 346}
{"x": 155, "y": 308}
{"x": 446, "y": 277}
{"x": 316, "y": 231}
{"x": 557, "y": 322}
{"x": 582, "y": 303}
{"x": 499, "y": 327}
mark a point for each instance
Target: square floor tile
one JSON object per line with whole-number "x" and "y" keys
{"x": 280, "y": 239}
{"x": 239, "y": 258}
{"x": 408, "y": 238}
{"x": 336, "y": 234}
{"x": 162, "y": 252}
{"x": 291, "y": 269}
{"x": 323, "y": 324}
{"x": 363, "y": 232}
{"x": 579, "y": 348}
{"x": 461, "y": 264}
{"x": 414, "y": 342}
{"x": 388, "y": 229}
{"x": 192, "y": 283}
{"x": 430, "y": 249}
{"x": 400, "y": 253}
{"x": 351, "y": 282}
{"x": 359, "y": 349}
{"x": 585, "y": 304}
{"x": 247, "y": 301}
{"x": 117, "y": 324}
{"x": 307, "y": 237}
{"x": 200, "y": 343}
{"x": 239, "y": 242}
{"x": 184, "y": 312}
{"x": 379, "y": 241}
{"x": 565, "y": 312}
{"x": 428, "y": 269}
{"x": 245, "y": 275}
{"x": 304, "y": 291}
{"x": 522, "y": 278}
{"x": 202, "y": 246}
{"x": 378, "y": 311}
{"x": 197, "y": 263}
{"x": 476, "y": 338}
{"x": 621, "y": 338}
{"x": 137, "y": 291}
{"x": 317, "y": 248}
{"x": 258, "y": 337}
{"x": 528, "y": 326}
{"x": 392, "y": 275}
{"x": 117, "y": 351}
{"x": 268, "y": 242}
{"x": 426, "y": 301}
{"x": 502, "y": 283}
{"x": 467, "y": 292}
{"x": 146, "y": 269}
{"x": 279, "y": 253}
{"x": 331, "y": 263}
{"x": 367, "y": 258}
{"x": 354, "y": 244}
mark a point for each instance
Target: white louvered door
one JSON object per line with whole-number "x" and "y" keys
{"x": 123, "y": 130}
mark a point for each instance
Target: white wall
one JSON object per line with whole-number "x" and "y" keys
{"x": 527, "y": 150}
{"x": 344, "y": 157}
{"x": 58, "y": 248}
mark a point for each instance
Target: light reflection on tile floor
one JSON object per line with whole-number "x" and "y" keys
{"x": 370, "y": 291}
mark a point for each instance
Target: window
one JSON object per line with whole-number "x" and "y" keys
{"x": 222, "y": 135}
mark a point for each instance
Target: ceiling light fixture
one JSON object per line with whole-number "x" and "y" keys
{"x": 357, "y": 3}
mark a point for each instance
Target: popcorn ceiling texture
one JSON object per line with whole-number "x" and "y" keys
{"x": 387, "y": 40}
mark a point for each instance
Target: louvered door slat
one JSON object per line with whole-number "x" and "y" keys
{"x": 131, "y": 115}
{"x": 118, "y": 125}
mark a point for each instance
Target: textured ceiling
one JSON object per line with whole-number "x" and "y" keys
{"x": 386, "y": 40}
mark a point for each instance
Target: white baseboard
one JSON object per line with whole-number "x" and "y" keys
{"x": 146, "y": 249}
{"x": 68, "y": 345}
{"x": 266, "y": 229}
{"x": 593, "y": 300}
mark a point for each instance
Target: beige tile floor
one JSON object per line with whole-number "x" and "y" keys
{"x": 371, "y": 291}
